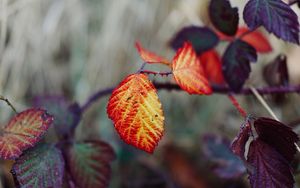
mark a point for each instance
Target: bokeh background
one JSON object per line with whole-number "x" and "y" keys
{"x": 76, "y": 47}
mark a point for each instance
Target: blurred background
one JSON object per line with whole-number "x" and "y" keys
{"x": 76, "y": 47}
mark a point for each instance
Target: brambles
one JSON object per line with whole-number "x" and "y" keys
{"x": 207, "y": 60}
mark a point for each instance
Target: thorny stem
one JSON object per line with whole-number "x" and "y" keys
{"x": 216, "y": 89}
{"x": 156, "y": 73}
{"x": 8, "y": 103}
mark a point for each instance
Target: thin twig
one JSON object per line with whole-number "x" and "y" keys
{"x": 216, "y": 89}
{"x": 8, "y": 103}
{"x": 237, "y": 105}
{"x": 263, "y": 102}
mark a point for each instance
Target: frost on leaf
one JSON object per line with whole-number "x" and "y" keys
{"x": 188, "y": 71}
{"x": 89, "y": 163}
{"x": 42, "y": 166}
{"x": 136, "y": 112}
{"x": 23, "y": 131}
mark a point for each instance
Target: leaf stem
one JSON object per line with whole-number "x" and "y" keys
{"x": 237, "y": 105}
{"x": 263, "y": 102}
{"x": 8, "y": 103}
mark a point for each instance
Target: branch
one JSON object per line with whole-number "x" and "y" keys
{"x": 216, "y": 89}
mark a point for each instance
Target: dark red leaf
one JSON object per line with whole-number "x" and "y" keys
{"x": 239, "y": 142}
{"x": 276, "y": 72}
{"x": 277, "y": 135}
{"x": 223, "y": 16}
{"x": 267, "y": 167}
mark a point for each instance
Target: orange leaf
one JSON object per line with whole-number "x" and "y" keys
{"x": 136, "y": 111}
{"x": 23, "y": 131}
{"x": 256, "y": 39}
{"x": 150, "y": 57}
{"x": 212, "y": 66}
{"x": 188, "y": 72}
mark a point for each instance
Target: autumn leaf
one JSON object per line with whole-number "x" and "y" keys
{"x": 267, "y": 168}
{"x": 188, "y": 71}
{"x": 212, "y": 65}
{"x": 136, "y": 111}
{"x": 150, "y": 57}
{"x": 89, "y": 163}
{"x": 23, "y": 131}
{"x": 42, "y": 166}
{"x": 255, "y": 39}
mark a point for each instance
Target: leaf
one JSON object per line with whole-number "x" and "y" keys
{"x": 277, "y": 135}
{"x": 236, "y": 63}
{"x": 89, "y": 163}
{"x": 239, "y": 142}
{"x": 223, "y": 16}
{"x": 212, "y": 65}
{"x": 255, "y": 39}
{"x": 66, "y": 116}
{"x": 268, "y": 167}
{"x": 275, "y": 15}
{"x": 42, "y": 166}
{"x": 188, "y": 71}
{"x": 202, "y": 38}
{"x": 136, "y": 111}
{"x": 23, "y": 131}
{"x": 276, "y": 72}
{"x": 150, "y": 57}
{"x": 217, "y": 149}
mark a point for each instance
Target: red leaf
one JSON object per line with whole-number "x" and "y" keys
{"x": 239, "y": 142}
{"x": 277, "y": 135}
{"x": 23, "y": 131}
{"x": 188, "y": 72}
{"x": 212, "y": 66}
{"x": 150, "y": 57}
{"x": 255, "y": 39}
{"x": 136, "y": 111}
{"x": 267, "y": 167}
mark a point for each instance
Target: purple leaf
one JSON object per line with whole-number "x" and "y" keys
{"x": 239, "y": 142}
{"x": 267, "y": 167}
{"x": 66, "y": 116}
{"x": 41, "y": 166}
{"x": 224, "y": 17}
{"x": 236, "y": 63}
{"x": 276, "y": 16}
{"x": 202, "y": 38}
{"x": 277, "y": 135}
{"x": 217, "y": 149}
